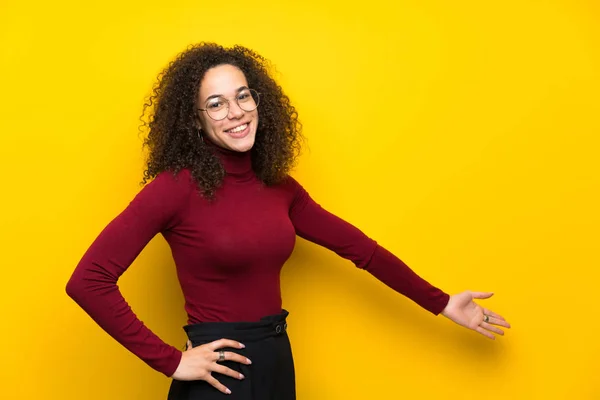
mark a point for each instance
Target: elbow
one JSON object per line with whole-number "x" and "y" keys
{"x": 78, "y": 287}
{"x": 85, "y": 285}
{"x": 74, "y": 288}
{"x": 365, "y": 261}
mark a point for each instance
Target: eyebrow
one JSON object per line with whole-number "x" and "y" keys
{"x": 220, "y": 95}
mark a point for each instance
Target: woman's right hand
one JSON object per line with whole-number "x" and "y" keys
{"x": 200, "y": 362}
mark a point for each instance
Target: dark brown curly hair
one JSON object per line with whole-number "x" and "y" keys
{"x": 169, "y": 116}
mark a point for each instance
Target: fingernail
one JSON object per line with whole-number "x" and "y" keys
{"x": 242, "y": 346}
{"x": 227, "y": 391}
{"x": 249, "y": 362}
{"x": 242, "y": 376}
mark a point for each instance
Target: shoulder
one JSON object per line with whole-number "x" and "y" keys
{"x": 290, "y": 185}
{"x": 171, "y": 180}
{"x": 294, "y": 192}
{"x": 161, "y": 200}
{"x": 169, "y": 186}
{"x": 170, "y": 177}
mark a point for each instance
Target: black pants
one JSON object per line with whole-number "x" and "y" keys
{"x": 269, "y": 377}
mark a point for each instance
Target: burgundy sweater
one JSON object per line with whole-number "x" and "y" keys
{"x": 228, "y": 253}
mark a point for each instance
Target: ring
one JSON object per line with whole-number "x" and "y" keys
{"x": 486, "y": 318}
{"x": 221, "y": 355}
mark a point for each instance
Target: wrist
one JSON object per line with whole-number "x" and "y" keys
{"x": 445, "y": 311}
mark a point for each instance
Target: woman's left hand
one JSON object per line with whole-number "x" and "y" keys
{"x": 464, "y": 311}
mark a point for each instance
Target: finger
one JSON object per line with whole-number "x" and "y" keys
{"x": 499, "y": 322}
{"x": 492, "y": 328}
{"x": 221, "y": 369}
{"x": 218, "y": 385}
{"x": 493, "y": 314}
{"x": 218, "y": 344}
{"x": 229, "y": 356}
{"x": 188, "y": 345}
{"x": 485, "y": 333}
{"x": 482, "y": 295}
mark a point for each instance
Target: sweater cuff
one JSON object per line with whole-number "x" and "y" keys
{"x": 170, "y": 365}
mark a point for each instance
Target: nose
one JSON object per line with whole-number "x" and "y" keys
{"x": 235, "y": 111}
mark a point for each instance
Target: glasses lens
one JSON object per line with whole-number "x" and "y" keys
{"x": 217, "y": 108}
{"x": 248, "y": 99}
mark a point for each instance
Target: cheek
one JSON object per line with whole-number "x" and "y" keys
{"x": 214, "y": 126}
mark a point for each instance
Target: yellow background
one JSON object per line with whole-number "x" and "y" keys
{"x": 463, "y": 136}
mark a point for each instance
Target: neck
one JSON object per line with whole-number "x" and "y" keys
{"x": 236, "y": 164}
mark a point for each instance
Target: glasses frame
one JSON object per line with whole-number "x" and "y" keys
{"x": 227, "y": 100}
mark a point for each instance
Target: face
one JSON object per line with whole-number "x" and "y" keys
{"x": 237, "y": 130}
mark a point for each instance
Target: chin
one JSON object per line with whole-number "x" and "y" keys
{"x": 240, "y": 145}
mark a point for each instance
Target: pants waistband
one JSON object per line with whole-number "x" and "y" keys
{"x": 268, "y": 326}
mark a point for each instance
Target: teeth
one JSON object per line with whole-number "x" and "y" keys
{"x": 238, "y": 129}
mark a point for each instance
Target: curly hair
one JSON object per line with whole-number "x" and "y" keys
{"x": 169, "y": 116}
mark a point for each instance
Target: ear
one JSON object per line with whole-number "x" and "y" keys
{"x": 198, "y": 122}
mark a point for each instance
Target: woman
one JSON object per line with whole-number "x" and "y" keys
{"x": 222, "y": 139}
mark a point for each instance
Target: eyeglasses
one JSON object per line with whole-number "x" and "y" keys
{"x": 218, "y": 107}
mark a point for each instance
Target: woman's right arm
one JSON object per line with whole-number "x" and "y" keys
{"x": 93, "y": 284}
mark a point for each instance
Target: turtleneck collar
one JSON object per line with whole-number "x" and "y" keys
{"x": 237, "y": 164}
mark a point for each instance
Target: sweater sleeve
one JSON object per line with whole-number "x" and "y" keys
{"x": 319, "y": 226}
{"x": 93, "y": 284}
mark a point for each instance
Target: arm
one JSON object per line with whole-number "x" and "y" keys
{"x": 93, "y": 284}
{"x": 319, "y": 226}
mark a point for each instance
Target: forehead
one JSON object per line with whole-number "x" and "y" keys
{"x": 222, "y": 79}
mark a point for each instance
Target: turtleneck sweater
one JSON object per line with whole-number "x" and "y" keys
{"x": 228, "y": 253}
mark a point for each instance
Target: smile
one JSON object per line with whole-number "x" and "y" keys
{"x": 239, "y": 132}
{"x": 237, "y": 128}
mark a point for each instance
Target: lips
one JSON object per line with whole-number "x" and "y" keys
{"x": 239, "y": 131}
{"x": 238, "y": 128}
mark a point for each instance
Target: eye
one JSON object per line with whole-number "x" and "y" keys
{"x": 244, "y": 96}
{"x": 215, "y": 104}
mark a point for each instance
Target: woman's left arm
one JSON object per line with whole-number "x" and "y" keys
{"x": 319, "y": 226}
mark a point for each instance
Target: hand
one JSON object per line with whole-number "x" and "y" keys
{"x": 198, "y": 363}
{"x": 464, "y": 311}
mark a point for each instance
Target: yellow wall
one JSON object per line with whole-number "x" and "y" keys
{"x": 463, "y": 136}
